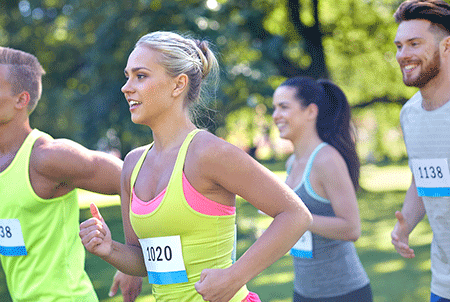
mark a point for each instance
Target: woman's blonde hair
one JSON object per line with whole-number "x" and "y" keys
{"x": 184, "y": 55}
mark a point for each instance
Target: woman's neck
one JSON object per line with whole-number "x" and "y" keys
{"x": 305, "y": 145}
{"x": 171, "y": 134}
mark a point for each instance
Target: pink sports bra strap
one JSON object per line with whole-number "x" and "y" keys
{"x": 196, "y": 201}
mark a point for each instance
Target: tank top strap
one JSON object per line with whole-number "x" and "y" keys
{"x": 177, "y": 173}
{"x": 305, "y": 179}
{"x": 310, "y": 161}
{"x": 289, "y": 168}
{"x": 137, "y": 168}
{"x": 180, "y": 158}
{"x": 31, "y": 139}
{"x": 23, "y": 155}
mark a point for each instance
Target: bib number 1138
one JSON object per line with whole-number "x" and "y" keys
{"x": 432, "y": 177}
{"x": 430, "y": 172}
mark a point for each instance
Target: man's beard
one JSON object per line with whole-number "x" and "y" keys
{"x": 430, "y": 72}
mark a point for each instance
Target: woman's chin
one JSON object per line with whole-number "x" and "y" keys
{"x": 137, "y": 120}
{"x": 284, "y": 135}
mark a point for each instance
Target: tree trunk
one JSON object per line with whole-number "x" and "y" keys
{"x": 312, "y": 37}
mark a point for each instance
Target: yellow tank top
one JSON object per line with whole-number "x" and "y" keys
{"x": 206, "y": 241}
{"x": 53, "y": 267}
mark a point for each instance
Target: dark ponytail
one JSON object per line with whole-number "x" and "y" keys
{"x": 334, "y": 127}
{"x": 334, "y": 118}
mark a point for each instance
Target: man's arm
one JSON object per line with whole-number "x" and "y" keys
{"x": 68, "y": 165}
{"x": 412, "y": 213}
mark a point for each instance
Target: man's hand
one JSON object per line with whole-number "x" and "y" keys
{"x": 400, "y": 237}
{"x": 130, "y": 286}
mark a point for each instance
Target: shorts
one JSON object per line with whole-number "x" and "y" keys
{"x": 436, "y": 298}
{"x": 252, "y": 297}
{"x": 363, "y": 294}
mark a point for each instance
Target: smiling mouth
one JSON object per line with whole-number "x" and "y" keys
{"x": 410, "y": 67}
{"x": 134, "y": 104}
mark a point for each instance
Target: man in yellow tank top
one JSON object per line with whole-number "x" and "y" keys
{"x": 40, "y": 250}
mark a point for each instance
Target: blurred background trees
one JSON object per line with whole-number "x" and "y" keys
{"x": 84, "y": 44}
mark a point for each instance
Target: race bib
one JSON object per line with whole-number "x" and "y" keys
{"x": 432, "y": 177}
{"x": 11, "y": 238}
{"x": 304, "y": 246}
{"x": 164, "y": 260}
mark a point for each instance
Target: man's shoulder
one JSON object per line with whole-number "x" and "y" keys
{"x": 47, "y": 147}
{"x": 414, "y": 101}
{"x": 51, "y": 154}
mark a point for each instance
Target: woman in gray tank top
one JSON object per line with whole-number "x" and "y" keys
{"x": 323, "y": 171}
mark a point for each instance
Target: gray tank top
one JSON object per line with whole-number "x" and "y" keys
{"x": 335, "y": 268}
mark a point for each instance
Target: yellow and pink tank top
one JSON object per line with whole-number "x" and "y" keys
{"x": 205, "y": 228}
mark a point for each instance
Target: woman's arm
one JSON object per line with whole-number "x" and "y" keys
{"x": 234, "y": 170}
{"x": 96, "y": 236}
{"x": 334, "y": 179}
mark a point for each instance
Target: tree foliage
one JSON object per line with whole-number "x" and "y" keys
{"x": 84, "y": 44}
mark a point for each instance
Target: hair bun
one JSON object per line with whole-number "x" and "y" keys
{"x": 206, "y": 56}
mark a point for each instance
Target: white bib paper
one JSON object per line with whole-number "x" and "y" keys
{"x": 11, "y": 238}
{"x": 304, "y": 246}
{"x": 432, "y": 177}
{"x": 164, "y": 260}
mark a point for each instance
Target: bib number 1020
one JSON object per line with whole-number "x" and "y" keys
{"x": 430, "y": 172}
{"x": 159, "y": 253}
{"x": 5, "y": 232}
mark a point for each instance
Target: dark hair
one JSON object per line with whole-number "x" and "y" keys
{"x": 334, "y": 118}
{"x": 435, "y": 11}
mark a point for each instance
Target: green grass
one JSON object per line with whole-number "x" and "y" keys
{"x": 393, "y": 278}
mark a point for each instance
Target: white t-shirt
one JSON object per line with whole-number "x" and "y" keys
{"x": 427, "y": 137}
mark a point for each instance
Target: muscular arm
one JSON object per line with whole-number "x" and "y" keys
{"x": 62, "y": 165}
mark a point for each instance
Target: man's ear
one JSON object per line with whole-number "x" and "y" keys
{"x": 445, "y": 46}
{"x": 23, "y": 99}
{"x": 181, "y": 83}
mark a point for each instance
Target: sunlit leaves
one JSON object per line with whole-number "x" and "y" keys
{"x": 84, "y": 44}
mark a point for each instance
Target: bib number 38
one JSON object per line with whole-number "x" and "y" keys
{"x": 11, "y": 238}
